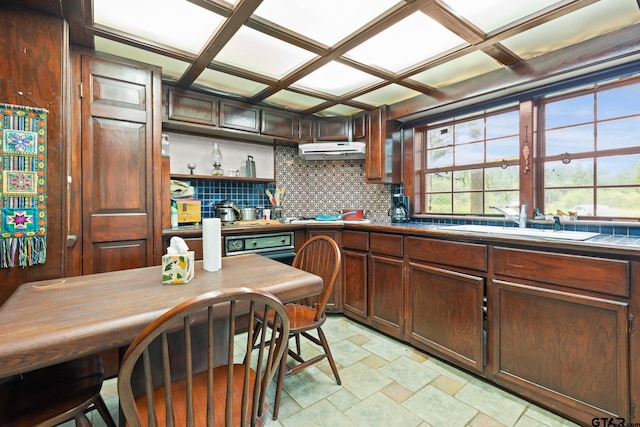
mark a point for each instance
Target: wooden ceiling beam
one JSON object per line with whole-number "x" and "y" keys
{"x": 614, "y": 46}
{"x": 359, "y": 36}
{"x": 218, "y": 40}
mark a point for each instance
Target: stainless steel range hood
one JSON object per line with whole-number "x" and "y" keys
{"x": 332, "y": 151}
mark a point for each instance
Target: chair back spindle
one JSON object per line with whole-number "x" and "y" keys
{"x": 232, "y": 393}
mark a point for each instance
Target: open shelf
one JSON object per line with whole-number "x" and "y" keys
{"x": 222, "y": 178}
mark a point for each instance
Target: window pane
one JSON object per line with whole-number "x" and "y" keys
{"x": 505, "y": 148}
{"x": 439, "y": 158}
{"x": 467, "y": 203}
{"x": 502, "y": 179}
{"x": 565, "y": 200}
{"x": 467, "y": 180}
{"x": 439, "y": 203}
{"x": 502, "y": 200}
{"x": 619, "y": 170}
{"x": 569, "y": 111}
{"x": 440, "y": 137}
{"x": 570, "y": 140}
{"x": 619, "y": 102}
{"x": 618, "y": 202}
{"x": 469, "y": 153}
{"x": 574, "y": 174}
{"x": 619, "y": 133}
{"x": 503, "y": 125}
{"x": 440, "y": 181}
{"x": 472, "y": 130}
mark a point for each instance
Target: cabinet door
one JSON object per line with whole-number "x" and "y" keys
{"x": 374, "y": 160}
{"x": 335, "y": 300}
{"x": 569, "y": 351}
{"x": 191, "y": 107}
{"x": 359, "y": 127}
{"x": 305, "y": 130}
{"x": 119, "y": 108}
{"x": 238, "y": 115}
{"x": 333, "y": 129}
{"x": 354, "y": 280}
{"x": 383, "y": 161}
{"x": 386, "y": 294}
{"x": 279, "y": 123}
{"x": 447, "y": 314}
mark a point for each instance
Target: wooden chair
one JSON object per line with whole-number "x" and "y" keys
{"x": 50, "y": 396}
{"x": 230, "y": 394}
{"x": 320, "y": 255}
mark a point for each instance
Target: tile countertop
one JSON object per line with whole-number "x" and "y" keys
{"x": 627, "y": 244}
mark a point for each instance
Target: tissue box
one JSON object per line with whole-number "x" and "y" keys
{"x": 177, "y": 269}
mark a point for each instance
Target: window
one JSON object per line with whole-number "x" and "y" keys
{"x": 591, "y": 151}
{"x": 584, "y": 157}
{"x": 472, "y": 163}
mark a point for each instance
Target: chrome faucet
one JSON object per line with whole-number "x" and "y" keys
{"x": 521, "y": 219}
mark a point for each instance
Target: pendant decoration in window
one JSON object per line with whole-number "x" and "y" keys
{"x": 526, "y": 151}
{"x": 566, "y": 159}
{"x": 504, "y": 164}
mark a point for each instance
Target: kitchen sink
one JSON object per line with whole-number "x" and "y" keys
{"x": 523, "y": 232}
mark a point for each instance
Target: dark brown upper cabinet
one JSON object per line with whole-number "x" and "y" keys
{"x": 333, "y": 129}
{"x": 383, "y": 162}
{"x": 240, "y": 116}
{"x": 359, "y": 127}
{"x": 279, "y": 123}
{"x": 305, "y": 130}
{"x": 188, "y": 106}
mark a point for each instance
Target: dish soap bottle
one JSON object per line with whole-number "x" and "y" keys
{"x": 174, "y": 214}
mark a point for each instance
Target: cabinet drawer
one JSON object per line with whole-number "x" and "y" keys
{"x": 580, "y": 272}
{"x": 388, "y": 244}
{"x": 358, "y": 240}
{"x": 466, "y": 255}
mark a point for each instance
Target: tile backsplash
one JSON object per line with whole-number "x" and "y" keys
{"x": 312, "y": 188}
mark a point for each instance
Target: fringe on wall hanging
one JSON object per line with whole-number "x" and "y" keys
{"x": 23, "y": 186}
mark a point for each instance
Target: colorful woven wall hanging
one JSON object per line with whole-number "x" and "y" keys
{"x": 23, "y": 190}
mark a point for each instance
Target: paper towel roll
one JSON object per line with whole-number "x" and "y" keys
{"x": 211, "y": 244}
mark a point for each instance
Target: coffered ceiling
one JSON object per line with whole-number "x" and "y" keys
{"x": 338, "y": 57}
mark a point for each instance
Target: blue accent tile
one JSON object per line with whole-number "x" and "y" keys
{"x": 634, "y": 231}
{"x": 620, "y": 231}
{"x": 606, "y": 229}
{"x": 593, "y": 228}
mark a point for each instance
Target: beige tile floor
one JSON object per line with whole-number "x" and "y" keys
{"x": 387, "y": 383}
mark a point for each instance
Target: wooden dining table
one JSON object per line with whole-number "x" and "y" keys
{"x": 51, "y": 321}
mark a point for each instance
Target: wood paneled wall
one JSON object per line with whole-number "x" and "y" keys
{"x": 34, "y": 60}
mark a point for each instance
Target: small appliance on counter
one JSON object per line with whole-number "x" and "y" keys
{"x": 399, "y": 211}
{"x": 227, "y": 211}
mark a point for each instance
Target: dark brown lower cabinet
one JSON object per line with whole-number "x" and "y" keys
{"x": 446, "y": 314}
{"x": 354, "y": 281}
{"x": 568, "y": 351}
{"x": 386, "y": 294}
{"x": 334, "y": 305}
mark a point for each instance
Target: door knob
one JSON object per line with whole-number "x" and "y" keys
{"x": 71, "y": 240}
